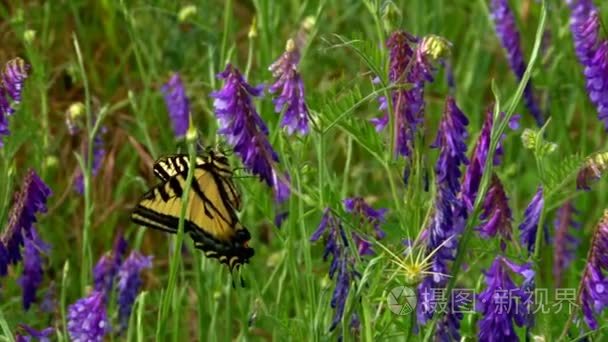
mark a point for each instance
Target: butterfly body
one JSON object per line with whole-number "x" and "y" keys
{"x": 211, "y": 206}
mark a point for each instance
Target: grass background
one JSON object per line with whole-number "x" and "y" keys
{"x": 128, "y": 50}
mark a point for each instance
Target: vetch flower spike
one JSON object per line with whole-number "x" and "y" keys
{"x": 28, "y": 202}
{"x": 591, "y": 52}
{"x": 593, "y": 293}
{"x": 412, "y": 64}
{"x": 290, "y": 86}
{"x": 565, "y": 243}
{"x": 129, "y": 282}
{"x": 245, "y": 130}
{"x": 177, "y": 104}
{"x": 496, "y": 215}
{"x": 585, "y": 27}
{"x": 99, "y": 153}
{"x": 31, "y": 277}
{"x": 529, "y": 225}
{"x": 475, "y": 169}
{"x": 108, "y": 265}
{"x": 367, "y": 214}
{"x": 506, "y": 29}
{"x": 11, "y": 86}
{"x": 40, "y": 336}
{"x": 87, "y": 318}
{"x": 503, "y": 303}
{"x": 342, "y": 267}
{"x": 450, "y": 213}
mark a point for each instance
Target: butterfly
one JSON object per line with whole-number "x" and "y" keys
{"x": 211, "y": 206}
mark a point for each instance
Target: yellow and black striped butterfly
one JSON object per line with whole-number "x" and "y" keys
{"x": 213, "y": 200}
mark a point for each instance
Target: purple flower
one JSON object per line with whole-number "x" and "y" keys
{"x": 475, "y": 169}
{"x": 49, "y": 301}
{"x": 342, "y": 267}
{"x": 291, "y": 97}
{"x": 41, "y": 336}
{"x": 585, "y": 26}
{"x": 565, "y": 243}
{"x": 28, "y": 202}
{"x": 591, "y": 53}
{"x": 409, "y": 65}
{"x": 593, "y": 294}
{"x": 596, "y": 73}
{"x": 129, "y": 282}
{"x": 107, "y": 267}
{"x": 87, "y": 318}
{"x": 503, "y": 303}
{"x": 12, "y": 78}
{"x": 529, "y": 226}
{"x": 448, "y": 326}
{"x": 450, "y": 213}
{"x": 32, "y": 273}
{"x": 506, "y": 29}
{"x": 367, "y": 214}
{"x": 177, "y": 104}
{"x": 450, "y": 140}
{"x": 246, "y": 131}
{"x": 99, "y": 153}
{"x": 364, "y": 247}
{"x": 496, "y": 215}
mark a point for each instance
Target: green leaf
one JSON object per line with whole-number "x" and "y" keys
{"x": 561, "y": 171}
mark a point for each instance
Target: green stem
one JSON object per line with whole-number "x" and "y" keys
{"x": 176, "y": 259}
{"x": 86, "y": 175}
{"x": 227, "y": 22}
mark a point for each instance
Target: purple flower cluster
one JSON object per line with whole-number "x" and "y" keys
{"x": 593, "y": 293}
{"x": 129, "y": 282}
{"x": 92, "y": 309}
{"x": 108, "y": 265}
{"x": 496, "y": 215}
{"x": 99, "y": 152}
{"x": 529, "y": 225}
{"x": 342, "y": 267}
{"x": 177, "y": 104}
{"x": 246, "y": 131}
{"x": 506, "y": 29}
{"x": 475, "y": 169}
{"x": 41, "y": 336}
{"x": 20, "y": 232}
{"x": 592, "y": 53}
{"x": 291, "y": 97}
{"x": 31, "y": 277}
{"x": 410, "y": 67}
{"x": 503, "y": 303}
{"x": 450, "y": 213}
{"x": 11, "y": 85}
{"x": 565, "y": 243}
{"x": 367, "y": 214}
{"x": 87, "y": 318}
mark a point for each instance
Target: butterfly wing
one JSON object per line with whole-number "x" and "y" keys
{"x": 210, "y": 219}
{"x": 216, "y": 163}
